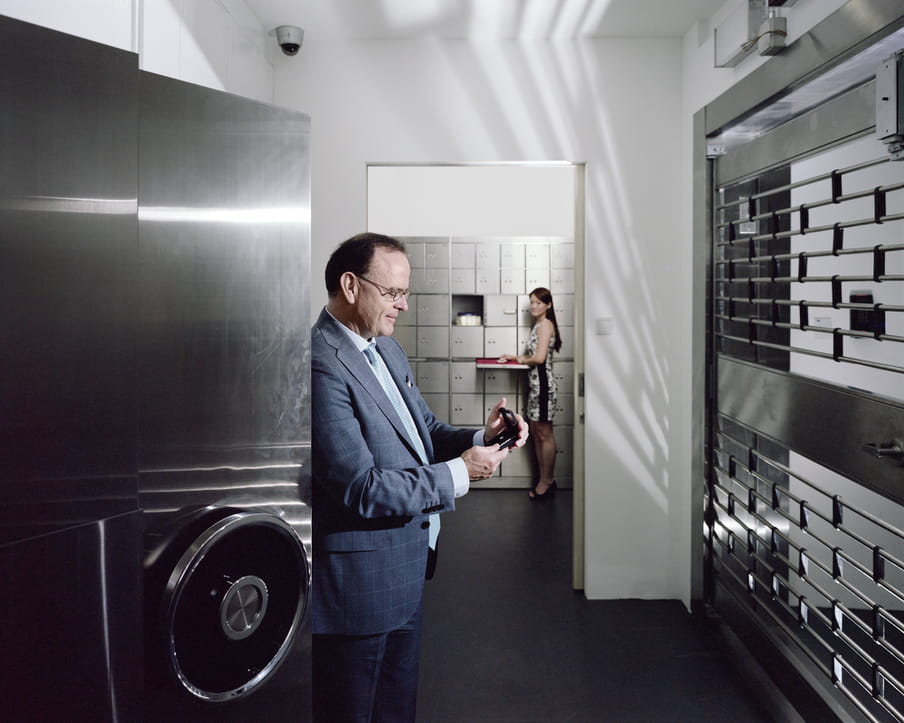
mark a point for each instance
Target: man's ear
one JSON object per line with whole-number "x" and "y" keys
{"x": 348, "y": 287}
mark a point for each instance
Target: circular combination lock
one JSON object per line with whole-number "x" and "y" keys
{"x": 233, "y": 604}
{"x": 243, "y": 607}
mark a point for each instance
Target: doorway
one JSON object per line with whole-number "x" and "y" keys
{"x": 484, "y": 235}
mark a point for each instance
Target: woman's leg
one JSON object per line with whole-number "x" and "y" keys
{"x": 545, "y": 449}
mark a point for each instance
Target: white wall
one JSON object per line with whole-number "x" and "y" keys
{"x": 215, "y": 43}
{"x": 484, "y": 200}
{"x": 615, "y": 105}
{"x": 623, "y": 106}
{"x": 104, "y": 21}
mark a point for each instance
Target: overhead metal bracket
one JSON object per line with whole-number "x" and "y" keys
{"x": 890, "y": 104}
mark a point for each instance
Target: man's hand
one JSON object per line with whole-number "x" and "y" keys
{"x": 495, "y": 425}
{"x": 482, "y": 462}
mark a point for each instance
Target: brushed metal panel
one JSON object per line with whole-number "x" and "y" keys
{"x": 68, "y": 300}
{"x": 847, "y": 116}
{"x": 701, "y": 341}
{"x": 836, "y": 38}
{"x": 224, "y": 288}
{"x": 825, "y": 423}
{"x": 72, "y": 639}
{"x": 224, "y": 351}
{"x": 225, "y": 247}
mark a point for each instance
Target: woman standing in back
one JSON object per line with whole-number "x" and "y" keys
{"x": 543, "y": 343}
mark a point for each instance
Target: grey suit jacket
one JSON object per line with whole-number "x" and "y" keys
{"x": 371, "y": 494}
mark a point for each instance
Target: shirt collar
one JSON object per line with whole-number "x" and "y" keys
{"x": 359, "y": 341}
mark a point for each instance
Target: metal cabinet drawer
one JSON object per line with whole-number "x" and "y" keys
{"x": 467, "y": 410}
{"x": 562, "y": 256}
{"x": 436, "y": 256}
{"x": 436, "y": 281}
{"x": 466, "y": 378}
{"x": 561, "y": 281}
{"x": 414, "y": 250}
{"x": 500, "y": 310}
{"x": 433, "y": 376}
{"x": 564, "y": 444}
{"x": 564, "y": 304}
{"x": 536, "y": 256}
{"x": 487, "y": 255}
{"x": 463, "y": 256}
{"x": 487, "y": 281}
{"x": 536, "y": 278}
{"x": 500, "y": 340}
{"x": 563, "y": 373}
{"x": 511, "y": 281}
{"x": 511, "y": 255}
{"x": 519, "y": 463}
{"x": 501, "y": 381}
{"x": 433, "y": 310}
{"x": 467, "y": 341}
{"x": 433, "y": 341}
{"x": 463, "y": 281}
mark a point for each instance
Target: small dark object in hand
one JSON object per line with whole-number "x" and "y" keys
{"x": 508, "y": 436}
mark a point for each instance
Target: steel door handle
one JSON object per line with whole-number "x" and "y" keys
{"x": 891, "y": 448}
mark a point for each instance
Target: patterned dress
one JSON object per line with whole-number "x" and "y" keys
{"x": 541, "y": 396}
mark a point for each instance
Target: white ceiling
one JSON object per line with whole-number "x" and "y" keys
{"x": 480, "y": 19}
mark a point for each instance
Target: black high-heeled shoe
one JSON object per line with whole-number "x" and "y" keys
{"x": 549, "y": 494}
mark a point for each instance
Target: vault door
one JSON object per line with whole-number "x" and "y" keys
{"x": 804, "y": 512}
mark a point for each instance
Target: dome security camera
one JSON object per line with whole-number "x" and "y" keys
{"x": 289, "y": 38}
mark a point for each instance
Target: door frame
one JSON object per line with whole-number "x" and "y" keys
{"x": 578, "y": 448}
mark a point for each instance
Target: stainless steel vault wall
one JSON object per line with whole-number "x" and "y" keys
{"x": 154, "y": 429}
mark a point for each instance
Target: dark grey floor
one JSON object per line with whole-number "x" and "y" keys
{"x": 507, "y": 639}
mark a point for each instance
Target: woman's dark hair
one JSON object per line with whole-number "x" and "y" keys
{"x": 545, "y": 295}
{"x": 355, "y": 255}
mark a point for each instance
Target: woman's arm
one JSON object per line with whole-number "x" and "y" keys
{"x": 544, "y": 337}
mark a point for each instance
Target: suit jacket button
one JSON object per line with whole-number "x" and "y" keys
{"x": 425, "y": 524}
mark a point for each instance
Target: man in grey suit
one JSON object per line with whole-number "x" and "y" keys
{"x": 376, "y": 487}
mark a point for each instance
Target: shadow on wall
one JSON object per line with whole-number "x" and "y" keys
{"x": 219, "y": 48}
{"x": 600, "y": 102}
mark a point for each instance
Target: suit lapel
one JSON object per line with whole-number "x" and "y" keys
{"x": 358, "y": 366}
{"x": 404, "y": 386}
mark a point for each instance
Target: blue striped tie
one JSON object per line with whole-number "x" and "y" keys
{"x": 392, "y": 391}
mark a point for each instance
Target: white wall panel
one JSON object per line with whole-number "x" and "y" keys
{"x": 161, "y": 38}
{"x": 103, "y": 21}
{"x": 500, "y": 200}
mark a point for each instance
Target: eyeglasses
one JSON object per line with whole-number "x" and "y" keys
{"x": 394, "y": 294}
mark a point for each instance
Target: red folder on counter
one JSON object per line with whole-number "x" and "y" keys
{"x": 494, "y": 363}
